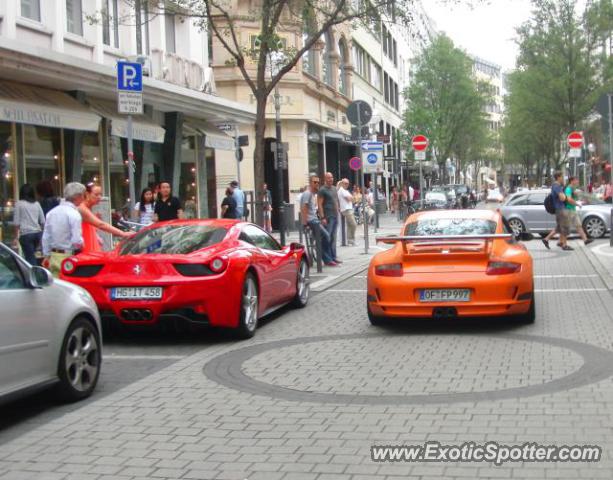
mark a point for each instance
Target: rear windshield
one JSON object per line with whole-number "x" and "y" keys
{"x": 171, "y": 239}
{"x": 450, "y": 226}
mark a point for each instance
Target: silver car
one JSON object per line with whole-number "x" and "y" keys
{"x": 49, "y": 332}
{"x": 525, "y": 212}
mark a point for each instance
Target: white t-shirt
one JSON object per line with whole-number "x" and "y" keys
{"x": 345, "y": 199}
{"x": 411, "y": 193}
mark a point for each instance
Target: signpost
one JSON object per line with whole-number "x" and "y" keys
{"x": 359, "y": 114}
{"x": 575, "y": 142}
{"x": 130, "y": 101}
{"x": 420, "y": 144}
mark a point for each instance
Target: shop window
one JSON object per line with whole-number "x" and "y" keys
{"x": 90, "y": 159}
{"x": 188, "y": 181}
{"x": 43, "y": 152}
{"x": 31, "y": 9}
{"x": 7, "y": 183}
{"x": 74, "y": 17}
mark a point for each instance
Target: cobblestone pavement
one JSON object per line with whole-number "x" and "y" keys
{"x": 317, "y": 387}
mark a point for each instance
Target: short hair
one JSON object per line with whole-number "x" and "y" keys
{"x": 72, "y": 190}
{"x": 45, "y": 188}
{"x": 234, "y": 183}
{"x": 26, "y": 192}
{"x": 573, "y": 177}
{"x": 557, "y": 175}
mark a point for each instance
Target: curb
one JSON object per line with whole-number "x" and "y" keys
{"x": 599, "y": 268}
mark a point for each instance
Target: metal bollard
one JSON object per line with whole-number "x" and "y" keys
{"x": 343, "y": 231}
{"x": 300, "y": 228}
{"x": 317, "y": 234}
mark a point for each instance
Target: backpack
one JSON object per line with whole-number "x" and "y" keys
{"x": 549, "y": 205}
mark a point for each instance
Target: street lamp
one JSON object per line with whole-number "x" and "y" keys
{"x": 591, "y": 148}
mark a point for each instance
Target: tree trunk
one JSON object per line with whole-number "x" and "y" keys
{"x": 259, "y": 154}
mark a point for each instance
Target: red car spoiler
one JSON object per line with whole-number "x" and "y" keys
{"x": 433, "y": 239}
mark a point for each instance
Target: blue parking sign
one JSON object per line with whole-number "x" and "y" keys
{"x": 129, "y": 77}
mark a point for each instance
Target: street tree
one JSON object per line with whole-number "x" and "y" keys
{"x": 446, "y": 102}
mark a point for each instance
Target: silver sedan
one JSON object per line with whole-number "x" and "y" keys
{"x": 525, "y": 211}
{"x": 49, "y": 333}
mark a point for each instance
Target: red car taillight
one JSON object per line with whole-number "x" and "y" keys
{"x": 389, "y": 270}
{"x": 502, "y": 268}
{"x": 69, "y": 265}
{"x": 219, "y": 264}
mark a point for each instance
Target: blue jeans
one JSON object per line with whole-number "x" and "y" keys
{"x": 29, "y": 243}
{"x": 316, "y": 226}
{"x": 331, "y": 227}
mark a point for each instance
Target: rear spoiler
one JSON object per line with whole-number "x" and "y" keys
{"x": 430, "y": 239}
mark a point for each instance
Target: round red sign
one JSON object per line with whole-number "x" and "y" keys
{"x": 355, "y": 163}
{"x": 420, "y": 142}
{"x": 575, "y": 139}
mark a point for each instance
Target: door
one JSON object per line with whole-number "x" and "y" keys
{"x": 25, "y": 329}
{"x": 536, "y": 215}
{"x": 276, "y": 286}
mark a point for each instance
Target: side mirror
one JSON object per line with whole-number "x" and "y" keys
{"x": 40, "y": 277}
{"x": 294, "y": 246}
{"x": 524, "y": 236}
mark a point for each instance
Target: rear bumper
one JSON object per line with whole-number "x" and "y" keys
{"x": 489, "y": 295}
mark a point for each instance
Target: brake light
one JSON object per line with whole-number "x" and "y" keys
{"x": 219, "y": 264}
{"x": 502, "y": 268}
{"x": 389, "y": 270}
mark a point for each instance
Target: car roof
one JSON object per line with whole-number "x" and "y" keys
{"x": 214, "y": 222}
{"x": 455, "y": 214}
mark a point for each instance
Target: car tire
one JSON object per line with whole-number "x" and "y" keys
{"x": 530, "y": 316}
{"x": 594, "y": 227}
{"x": 374, "y": 319}
{"x": 517, "y": 226}
{"x": 302, "y": 285}
{"x": 248, "y": 316}
{"x": 80, "y": 360}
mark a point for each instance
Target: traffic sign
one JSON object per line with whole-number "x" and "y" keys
{"x": 359, "y": 113}
{"x": 575, "y": 139}
{"x": 574, "y": 153}
{"x": 420, "y": 155}
{"x": 372, "y": 146}
{"x": 129, "y": 77}
{"x": 372, "y": 157}
{"x": 420, "y": 142}
{"x": 383, "y": 138}
{"x": 226, "y": 127}
{"x": 355, "y": 163}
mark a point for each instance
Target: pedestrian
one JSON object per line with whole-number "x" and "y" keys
{"x": 559, "y": 203}
{"x": 345, "y": 202}
{"x": 91, "y": 223}
{"x": 48, "y": 200}
{"x": 62, "y": 235}
{"x": 309, "y": 217}
{"x": 394, "y": 200}
{"x": 327, "y": 205}
{"x": 608, "y": 192}
{"x": 228, "y": 205}
{"x": 167, "y": 207}
{"x": 29, "y": 221}
{"x": 239, "y": 197}
{"x": 266, "y": 197}
{"x": 411, "y": 194}
{"x": 145, "y": 207}
{"x": 571, "y": 205}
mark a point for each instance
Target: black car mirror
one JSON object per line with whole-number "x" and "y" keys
{"x": 524, "y": 236}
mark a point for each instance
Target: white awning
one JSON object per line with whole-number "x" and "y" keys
{"x": 213, "y": 137}
{"x": 44, "y": 107}
{"x": 142, "y": 128}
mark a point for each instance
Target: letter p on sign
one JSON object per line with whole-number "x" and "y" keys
{"x": 129, "y": 77}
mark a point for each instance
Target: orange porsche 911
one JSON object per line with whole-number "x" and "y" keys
{"x": 452, "y": 263}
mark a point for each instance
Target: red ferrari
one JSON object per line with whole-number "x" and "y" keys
{"x": 220, "y": 273}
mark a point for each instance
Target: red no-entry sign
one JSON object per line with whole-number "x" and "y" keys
{"x": 575, "y": 139}
{"x": 420, "y": 142}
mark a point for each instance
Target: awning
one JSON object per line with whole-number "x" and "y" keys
{"x": 44, "y": 107}
{"x": 213, "y": 137}
{"x": 142, "y": 128}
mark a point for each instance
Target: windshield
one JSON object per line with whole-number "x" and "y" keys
{"x": 172, "y": 239}
{"x": 589, "y": 199}
{"x": 451, "y": 226}
{"x": 461, "y": 189}
{"x": 436, "y": 197}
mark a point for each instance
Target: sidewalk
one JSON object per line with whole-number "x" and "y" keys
{"x": 600, "y": 255}
{"x": 353, "y": 257}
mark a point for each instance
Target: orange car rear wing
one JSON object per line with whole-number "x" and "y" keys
{"x": 441, "y": 239}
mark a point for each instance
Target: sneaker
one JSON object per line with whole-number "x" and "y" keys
{"x": 567, "y": 248}
{"x": 336, "y": 260}
{"x": 331, "y": 264}
{"x": 546, "y": 243}
{"x": 588, "y": 241}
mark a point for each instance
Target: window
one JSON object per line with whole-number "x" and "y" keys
{"x": 451, "y": 226}
{"x": 537, "y": 199}
{"x": 10, "y": 273}
{"x": 342, "y": 81}
{"x": 517, "y": 200}
{"x": 326, "y": 64}
{"x": 173, "y": 239}
{"x": 375, "y": 75}
{"x": 260, "y": 238}
{"x": 169, "y": 21}
{"x": 110, "y": 24}
{"x": 386, "y": 88}
{"x": 30, "y": 9}
{"x": 142, "y": 26}
{"x": 74, "y": 17}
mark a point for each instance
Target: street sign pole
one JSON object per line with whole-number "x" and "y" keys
{"x": 237, "y": 150}
{"x": 364, "y": 210}
{"x": 131, "y": 165}
{"x": 610, "y": 95}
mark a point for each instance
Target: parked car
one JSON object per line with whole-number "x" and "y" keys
{"x": 438, "y": 199}
{"x": 494, "y": 195}
{"x": 213, "y": 272}
{"x": 525, "y": 212}
{"x": 49, "y": 332}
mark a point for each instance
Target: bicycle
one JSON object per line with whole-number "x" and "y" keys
{"x": 310, "y": 244}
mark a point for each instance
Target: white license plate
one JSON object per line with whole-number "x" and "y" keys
{"x": 136, "y": 293}
{"x": 445, "y": 295}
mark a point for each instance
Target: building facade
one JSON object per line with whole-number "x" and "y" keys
{"x": 58, "y": 102}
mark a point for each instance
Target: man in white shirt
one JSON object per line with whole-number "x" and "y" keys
{"x": 411, "y": 194}
{"x": 62, "y": 236}
{"x": 345, "y": 202}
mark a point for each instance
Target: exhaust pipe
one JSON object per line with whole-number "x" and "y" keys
{"x": 444, "y": 313}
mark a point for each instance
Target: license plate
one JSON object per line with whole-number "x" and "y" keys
{"x": 136, "y": 293}
{"x": 445, "y": 295}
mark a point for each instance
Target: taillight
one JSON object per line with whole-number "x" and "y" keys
{"x": 389, "y": 270}
{"x": 219, "y": 264}
{"x": 502, "y": 268}
{"x": 69, "y": 265}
